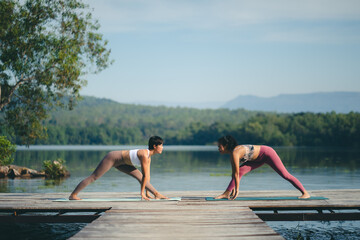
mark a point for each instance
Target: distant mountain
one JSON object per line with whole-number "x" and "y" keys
{"x": 340, "y": 102}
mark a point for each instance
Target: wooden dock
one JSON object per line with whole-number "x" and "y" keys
{"x": 190, "y": 218}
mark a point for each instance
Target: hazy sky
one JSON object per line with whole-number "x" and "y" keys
{"x": 215, "y": 50}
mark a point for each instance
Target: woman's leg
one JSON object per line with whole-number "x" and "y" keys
{"x": 135, "y": 173}
{"x": 274, "y": 161}
{"x": 244, "y": 169}
{"x": 100, "y": 170}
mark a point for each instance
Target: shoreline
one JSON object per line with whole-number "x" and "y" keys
{"x": 113, "y": 147}
{"x": 15, "y": 171}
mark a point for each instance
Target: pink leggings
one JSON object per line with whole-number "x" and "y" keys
{"x": 269, "y": 156}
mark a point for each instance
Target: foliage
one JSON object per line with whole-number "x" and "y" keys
{"x": 105, "y": 122}
{"x": 55, "y": 169}
{"x": 101, "y": 121}
{"x": 300, "y": 129}
{"x": 6, "y": 151}
{"x": 46, "y": 47}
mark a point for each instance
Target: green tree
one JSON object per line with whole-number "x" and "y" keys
{"x": 6, "y": 151}
{"x": 46, "y": 49}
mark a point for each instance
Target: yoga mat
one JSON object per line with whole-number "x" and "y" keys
{"x": 134, "y": 199}
{"x": 265, "y": 198}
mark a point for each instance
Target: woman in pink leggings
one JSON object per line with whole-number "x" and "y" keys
{"x": 245, "y": 158}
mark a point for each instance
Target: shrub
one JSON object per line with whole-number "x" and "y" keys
{"x": 55, "y": 169}
{"x": 6, "y": 151}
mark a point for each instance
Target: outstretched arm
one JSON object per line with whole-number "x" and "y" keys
{"x": 232, "y": 190}
{"x": 145, "y": 168}
{"x": 235, "y": 172}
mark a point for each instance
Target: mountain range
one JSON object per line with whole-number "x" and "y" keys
{"x": 320, "y": 102}
{"x": 340, "y": 102}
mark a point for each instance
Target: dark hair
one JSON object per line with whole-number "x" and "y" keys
{"x": 155, "y": 140}
{"x": 228, "y": 142}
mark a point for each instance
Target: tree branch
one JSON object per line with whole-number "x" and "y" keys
{"x": 8, "y": 100}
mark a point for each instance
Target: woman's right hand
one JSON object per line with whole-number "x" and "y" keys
{"x": 226, "y": 194}
{"x": 143, "y": 196}
{"x": 148, "y": 194}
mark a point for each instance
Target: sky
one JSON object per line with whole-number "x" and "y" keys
{"x": 197, "y": 51}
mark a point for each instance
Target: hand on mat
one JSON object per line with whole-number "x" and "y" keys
{"x": 234, "y": 195}
{"x": 148, "y": 194}
{"x": 226, "y": 194}
{"x": 143, "y": 196}
{"x": 160, "y": 196}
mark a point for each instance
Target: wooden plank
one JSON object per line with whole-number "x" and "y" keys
{"x": 190, "y": 221}
{"x": 170, "y": 231}
{"x": 193, "y": 217}
{"x": 249, "y": 237}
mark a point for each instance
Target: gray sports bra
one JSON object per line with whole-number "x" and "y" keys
{"x": 249, "y": 152}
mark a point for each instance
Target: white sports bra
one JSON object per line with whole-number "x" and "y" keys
{"x": 134, "y": 157}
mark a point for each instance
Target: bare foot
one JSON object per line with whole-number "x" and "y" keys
{"x": 306, "y": 195}
{"x": 74, "y": 197}
{"x": 160, "y": 196}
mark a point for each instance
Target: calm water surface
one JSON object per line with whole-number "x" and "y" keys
{"x": 187, "y": 168}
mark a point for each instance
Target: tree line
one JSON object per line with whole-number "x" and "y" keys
{"x": 105, "y": 122}
{"x": 301, "y": 129}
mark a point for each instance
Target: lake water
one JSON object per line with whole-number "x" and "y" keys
{"x": 187, "y": 168}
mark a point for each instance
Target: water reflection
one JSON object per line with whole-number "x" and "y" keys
{"x": 317, "y": 230}
{"x": 193, "y": 169}
{"x": 196, "y": 160}
{"x": 39, "y": 231}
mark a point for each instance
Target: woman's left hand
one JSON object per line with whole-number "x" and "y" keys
{"x": 235, "y": 194}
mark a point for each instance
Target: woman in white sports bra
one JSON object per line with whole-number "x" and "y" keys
{"x": 125, "y": 161}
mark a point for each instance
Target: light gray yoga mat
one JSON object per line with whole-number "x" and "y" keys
{"x": 133, "y": 199}
{"x": 265, "y": 198}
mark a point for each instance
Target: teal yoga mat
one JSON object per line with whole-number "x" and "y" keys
{"x": 135, "y": 199}
{"x": 266, "y": 198}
